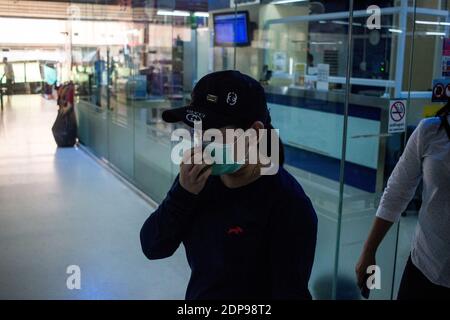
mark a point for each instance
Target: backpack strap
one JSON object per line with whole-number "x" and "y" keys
{"x": 443, "y": 115}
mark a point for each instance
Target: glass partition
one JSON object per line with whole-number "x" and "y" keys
{"x": 291, "y": 46}
{"x": 368, "y": 150}
{"x": 329, "y": 78}
{"x": 162, "y": 84}
{"x": 90, "y": 69}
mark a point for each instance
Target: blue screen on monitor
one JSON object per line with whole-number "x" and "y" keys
{"x": 231, "y": 29}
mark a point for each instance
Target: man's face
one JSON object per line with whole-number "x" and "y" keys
{"x": 5, "y": 60}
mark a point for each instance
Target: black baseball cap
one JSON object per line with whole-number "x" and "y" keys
{"x": 222, "y": 99}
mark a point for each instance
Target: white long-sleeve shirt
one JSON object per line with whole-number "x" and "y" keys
{"x": 427, "y": 157}
{"x": 9, "y": 71}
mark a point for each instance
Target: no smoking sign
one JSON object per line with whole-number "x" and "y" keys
{"x": 397, "y": 116}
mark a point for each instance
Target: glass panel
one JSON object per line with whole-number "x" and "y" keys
{"x": 295, "y": 53}
{"x": 33, "y": 72}
{"x": 89, "y": 74}
{"x": 370, "y": 152}
{"x": 126, "y": 89}
{"x": 159, "y": 82}
{"x": 19, "y": 72}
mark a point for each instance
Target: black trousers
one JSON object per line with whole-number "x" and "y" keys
{"x": 415, "y": 286}
{"x": 9, "y": 87}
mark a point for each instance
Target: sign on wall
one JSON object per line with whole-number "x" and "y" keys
{"x": 441, "y": 90}
{"x": 397, "y": 116}
{"x": 299, "y": 74}
{"x": 323, "y": 73}
{"x": 279, "y": 61}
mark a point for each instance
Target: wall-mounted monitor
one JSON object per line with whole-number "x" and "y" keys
{"x": 231, "y": 29}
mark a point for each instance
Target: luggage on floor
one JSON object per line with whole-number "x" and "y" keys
{"x": 65, "y": 129}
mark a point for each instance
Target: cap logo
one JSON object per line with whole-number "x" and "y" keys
{"x": 232, "y": 98}
{"x": 193, "y": 116}
{"x": 211, "y": 98}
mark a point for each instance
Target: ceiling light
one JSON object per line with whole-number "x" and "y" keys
{"x": 176, "y": 13}
{"x": 434, "y": 23}
{"x": 286, "y": 1}
{"x": 201, "y": 14}
{"x": 431, "y": 33}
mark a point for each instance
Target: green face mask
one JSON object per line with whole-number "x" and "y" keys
{"x": 228, "y": 165}
{"x": 220, "y": 169}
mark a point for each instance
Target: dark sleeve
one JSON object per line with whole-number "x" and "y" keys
{"x": 162, "y": 232}
{"x": 292, "y": 248}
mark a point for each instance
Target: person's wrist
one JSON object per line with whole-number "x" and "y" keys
{"x": 185, "y": 189}
{"x": 370, "y": 250}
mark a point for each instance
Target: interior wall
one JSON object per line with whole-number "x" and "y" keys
{"x": 422, "y": 69}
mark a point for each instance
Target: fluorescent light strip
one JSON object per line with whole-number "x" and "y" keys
{"x": 176, "y": 13}
{"x": 323, "y": 43}
{"x": 434, "y": 23}
{"x": 286, "y": 1}
{"x": 431, "y": 33}
{"x": 201, "y": 14}
{"x": 395, "y": 30}
{"x": 355, "y": 24}
{"x": 427, "y": 22}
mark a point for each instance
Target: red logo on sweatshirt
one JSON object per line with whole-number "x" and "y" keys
{"x": 235, "y": 230}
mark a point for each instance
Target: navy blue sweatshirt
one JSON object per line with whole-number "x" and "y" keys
{"x": 252, "y": 242}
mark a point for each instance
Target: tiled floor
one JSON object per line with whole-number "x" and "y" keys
{"x": 58, "y": 207}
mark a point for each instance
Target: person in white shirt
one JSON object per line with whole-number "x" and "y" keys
{"x": 427, "y": 158}
{"x": 9, "y": 75}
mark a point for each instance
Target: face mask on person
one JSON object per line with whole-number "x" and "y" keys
{"x": 225, "y": 153}
{"x": 228, "y": 164}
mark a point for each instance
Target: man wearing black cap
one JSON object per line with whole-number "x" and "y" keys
{"x": 247, "y": 235}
